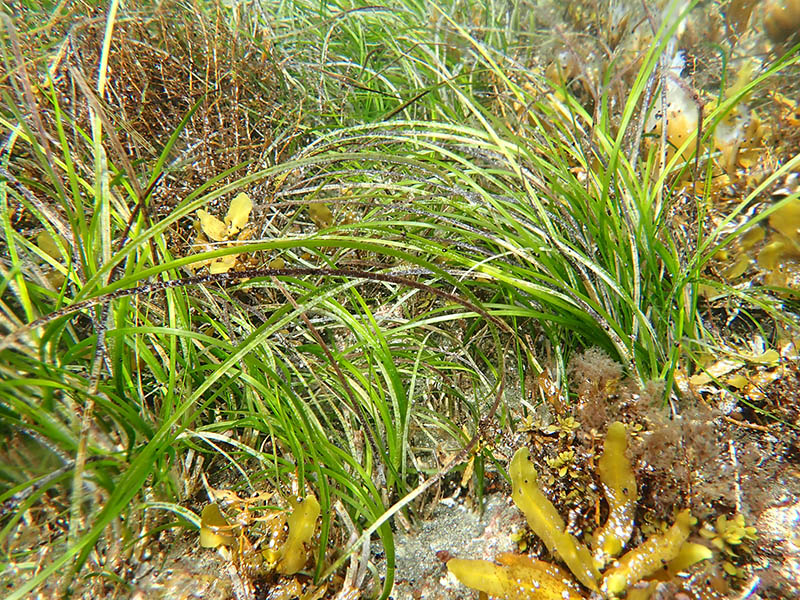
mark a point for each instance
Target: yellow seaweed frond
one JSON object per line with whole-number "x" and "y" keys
{"x": 728, "y": 533}
{"x": 544, "y": 520}
{"x": 214, "y": 228}
{"x": 320, "y": 214}
{"x": 302, "y": 524}
{"x": 218, "y": 231}
{"x": 649, "y": 557}
{"x": 689, "y": 554}
{"x": 619, "y": 486}
{"x": 518, "y": 577}
{"x": 660, "y": 557}
{"x": 238, "y": 213}
{"x": 214, "y": 528}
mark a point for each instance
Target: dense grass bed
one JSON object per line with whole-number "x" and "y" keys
{"x": 448, "y": 203}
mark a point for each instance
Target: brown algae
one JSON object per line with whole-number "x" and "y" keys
{"x": 517, "y": 576}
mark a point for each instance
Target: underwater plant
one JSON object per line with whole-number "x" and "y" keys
{"x": 726, "y": 535}
{"x": 231, "y": 230}
{"x": 598, "y": 570}
{"x": 263, "y": 546}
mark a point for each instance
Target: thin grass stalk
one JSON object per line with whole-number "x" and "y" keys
{"x": 103, "y": 192}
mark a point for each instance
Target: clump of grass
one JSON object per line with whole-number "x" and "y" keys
{"x": 469, "y": 212}
{"x": 558, "y": 217}
{"x": 107, "y": 395}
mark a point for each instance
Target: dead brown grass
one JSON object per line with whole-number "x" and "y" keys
{"x": 162, "y": 61}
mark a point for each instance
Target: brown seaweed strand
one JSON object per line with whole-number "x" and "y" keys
{"x": 232, "y": 277}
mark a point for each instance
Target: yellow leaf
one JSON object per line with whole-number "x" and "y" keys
{"x": 765, "y": 358}
{"x": 707, "y": 291}
{"x": 211, "y": 524}
{"x": 689, "y": 554}
{"x": 787, "y": 220}
{"x": 730, "y": 569}
{"x": 238, "y": 213}
{"x": 320, "y": 214}
{"x": 302, "y": 524}
{"x": 55, "y": 279}
{"x": 736, "y": 18}
{"x": 752, "y": 237}
{"x": 715, "y": 371}
{"x": 773, "y": 254}
{"x": 745, "y": 74}
{"x": 737, "y": 381}
{"x": 223, "y": 264}
{"x": 212, "y": 226}
{"x": 738, "y": 268}
{"x": 50, "y": 245}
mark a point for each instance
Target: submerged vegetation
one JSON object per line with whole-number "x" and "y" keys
{"x": 316, "y": 265}
{"x": 523, "y": 578}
